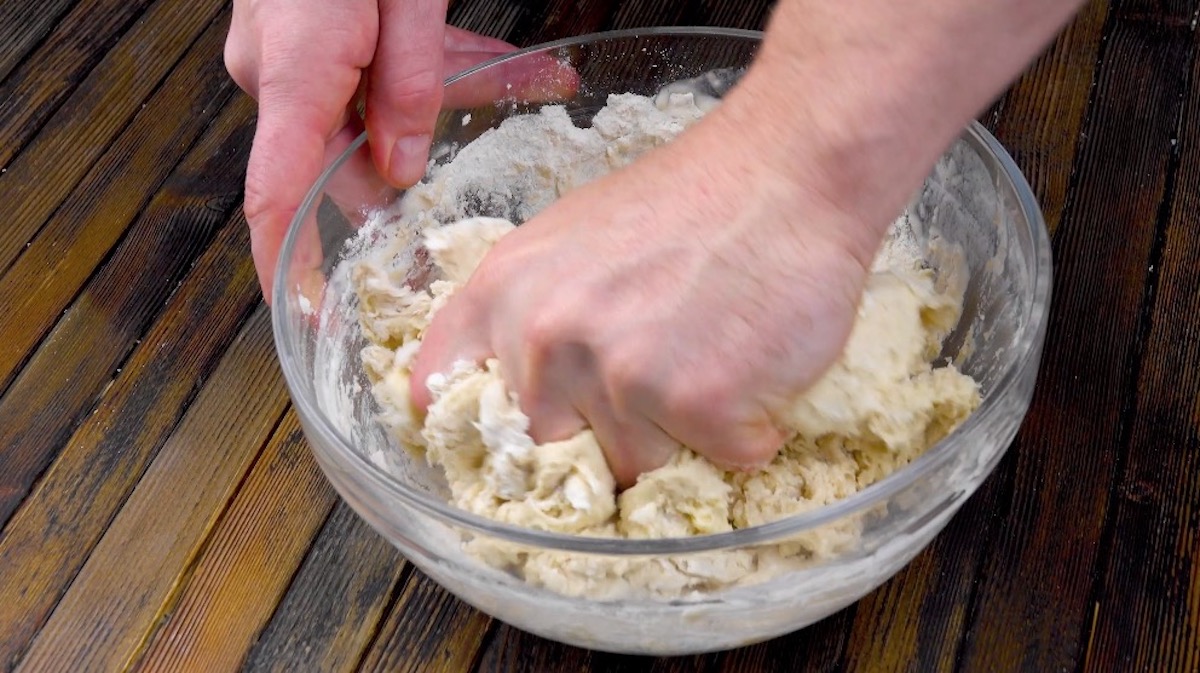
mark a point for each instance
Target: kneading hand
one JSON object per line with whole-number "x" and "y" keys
{"x": 686, "y": 298}
{"x": 676, "y": 302}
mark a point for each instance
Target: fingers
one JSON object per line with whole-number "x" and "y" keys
{"x": 538, "y": 78}
{"x": 454, "y": 335}
{"x": 239, "y": 53}
{"x": 404, "y": 86}
{"x": 356, "y": 187}
{"x": 553, "y": 387}
{"x": 531, "y": 78}
{"x": 303, "y": 74}
{"x": 632, "y": 443}
{"x": 563, "y": 392}
{"x": 633, "y": 446}
{"x": 734, "y": 440}
{"x": 353, "y": 187}
{"x": 288, "y": 152}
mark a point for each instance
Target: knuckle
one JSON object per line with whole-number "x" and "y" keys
{"x": 545, "y": 331}
{"x": 698, "y": 397}
{"x": 240, "y": 57}
{"x": 239, "y": 66}
{"x": 258, "y": 202}
{"x": 629, "y": 375}
{"x": 416, "y": 88}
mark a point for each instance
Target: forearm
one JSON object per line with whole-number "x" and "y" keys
{"x": 874, "y": 88}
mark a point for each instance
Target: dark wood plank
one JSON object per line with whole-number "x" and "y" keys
{"x": 704, "y": 663}
{"x": 1144, "y": 617}
{"x": 915, "y": 622}
{"x": 62, "y": 380}
{"x": 559, "y": 19}
{"x": 522, "y": 26}
{"x": 248, "y": 562}
{"x": 433, "y": 632}
{"x": 1175, "y": 13}
{"x": 74, "y": 138}
{"x": 494, "y": 19}
{"x": 819, "y": 647}
{"x": 1043, "y": 113}
{"x": 332, "y": 609}
{"x": 750, "y": 15}
{"x": 692, "y": 13}
{"x": 136, "y": 570}
{"x": 512, "y": 650}
{"x": 22, "y": 26}
{"x": 58, "y": 524}
{"x": 51, "y": 268}
{"x": 41, "y": 83}
{"x": 1031, "y": 610}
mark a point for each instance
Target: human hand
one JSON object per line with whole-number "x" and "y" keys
{"x": 682, "y": 300}
{"x": 308, "y": 63}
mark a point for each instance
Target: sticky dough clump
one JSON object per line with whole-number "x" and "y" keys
{"x": 880, "y": 406}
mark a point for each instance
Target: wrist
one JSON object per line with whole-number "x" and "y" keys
{"x": 846, "y": 167}
{"x": 856, "y": 100}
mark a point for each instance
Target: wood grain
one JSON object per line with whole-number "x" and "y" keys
{"x": 1042, "y": 118}
{"x": 73, "y": 45}
{"x": 1031, "y": 607}
{"x": 22, "y": 26}
{"x": 915, "y": 621}
{"x": 751, "y": 15}
{"x": 1146, "y": 614}
{"x": 51, "y": 535}
{"x": 1082, "y": 551}
{"x": 414, "y": 607}
{"x": 562, "y": 19}
{"x": 248, "y": 562}
{"x": 705, "y": 663}
{"x": 71, "y": 141}
{"x": 332, "y": 609}
{"x": 512, "y": 650}
{"x": 1173, "y": 13}
{"x": 70, "y": 244}
{"x": 494, "y": 19}
{"x": 61, "y": 382}
{"x": 134, "y": 573}
{"x": 433, "y": 632}
{"x": 819, "y": 647}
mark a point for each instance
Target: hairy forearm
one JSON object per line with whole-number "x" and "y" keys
{"x": 873, "y": 88}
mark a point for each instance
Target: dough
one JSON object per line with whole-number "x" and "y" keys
{"x": 880, "y": 406}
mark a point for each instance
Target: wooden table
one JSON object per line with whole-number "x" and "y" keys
{"x": 160, "y": 508}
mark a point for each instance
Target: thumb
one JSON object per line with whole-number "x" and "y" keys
{"x": 404, "y": 87}
{"x": 455, "y": 334}
{"x": 287, "y": 156}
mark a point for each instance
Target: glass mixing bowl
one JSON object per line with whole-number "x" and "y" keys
{"x": 975, "y": 210}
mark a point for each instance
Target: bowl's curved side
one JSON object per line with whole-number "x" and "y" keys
{"x": 906, "y": 510}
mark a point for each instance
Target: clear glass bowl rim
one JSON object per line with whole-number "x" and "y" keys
{"x": 303, "y": 393}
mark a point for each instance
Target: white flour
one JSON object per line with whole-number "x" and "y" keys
{"x": 879, "y": 407}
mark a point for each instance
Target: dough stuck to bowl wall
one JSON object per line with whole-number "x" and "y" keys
{"x": 880, "y": 406}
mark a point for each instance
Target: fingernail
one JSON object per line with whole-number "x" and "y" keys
{"x": 406, "y": 164}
